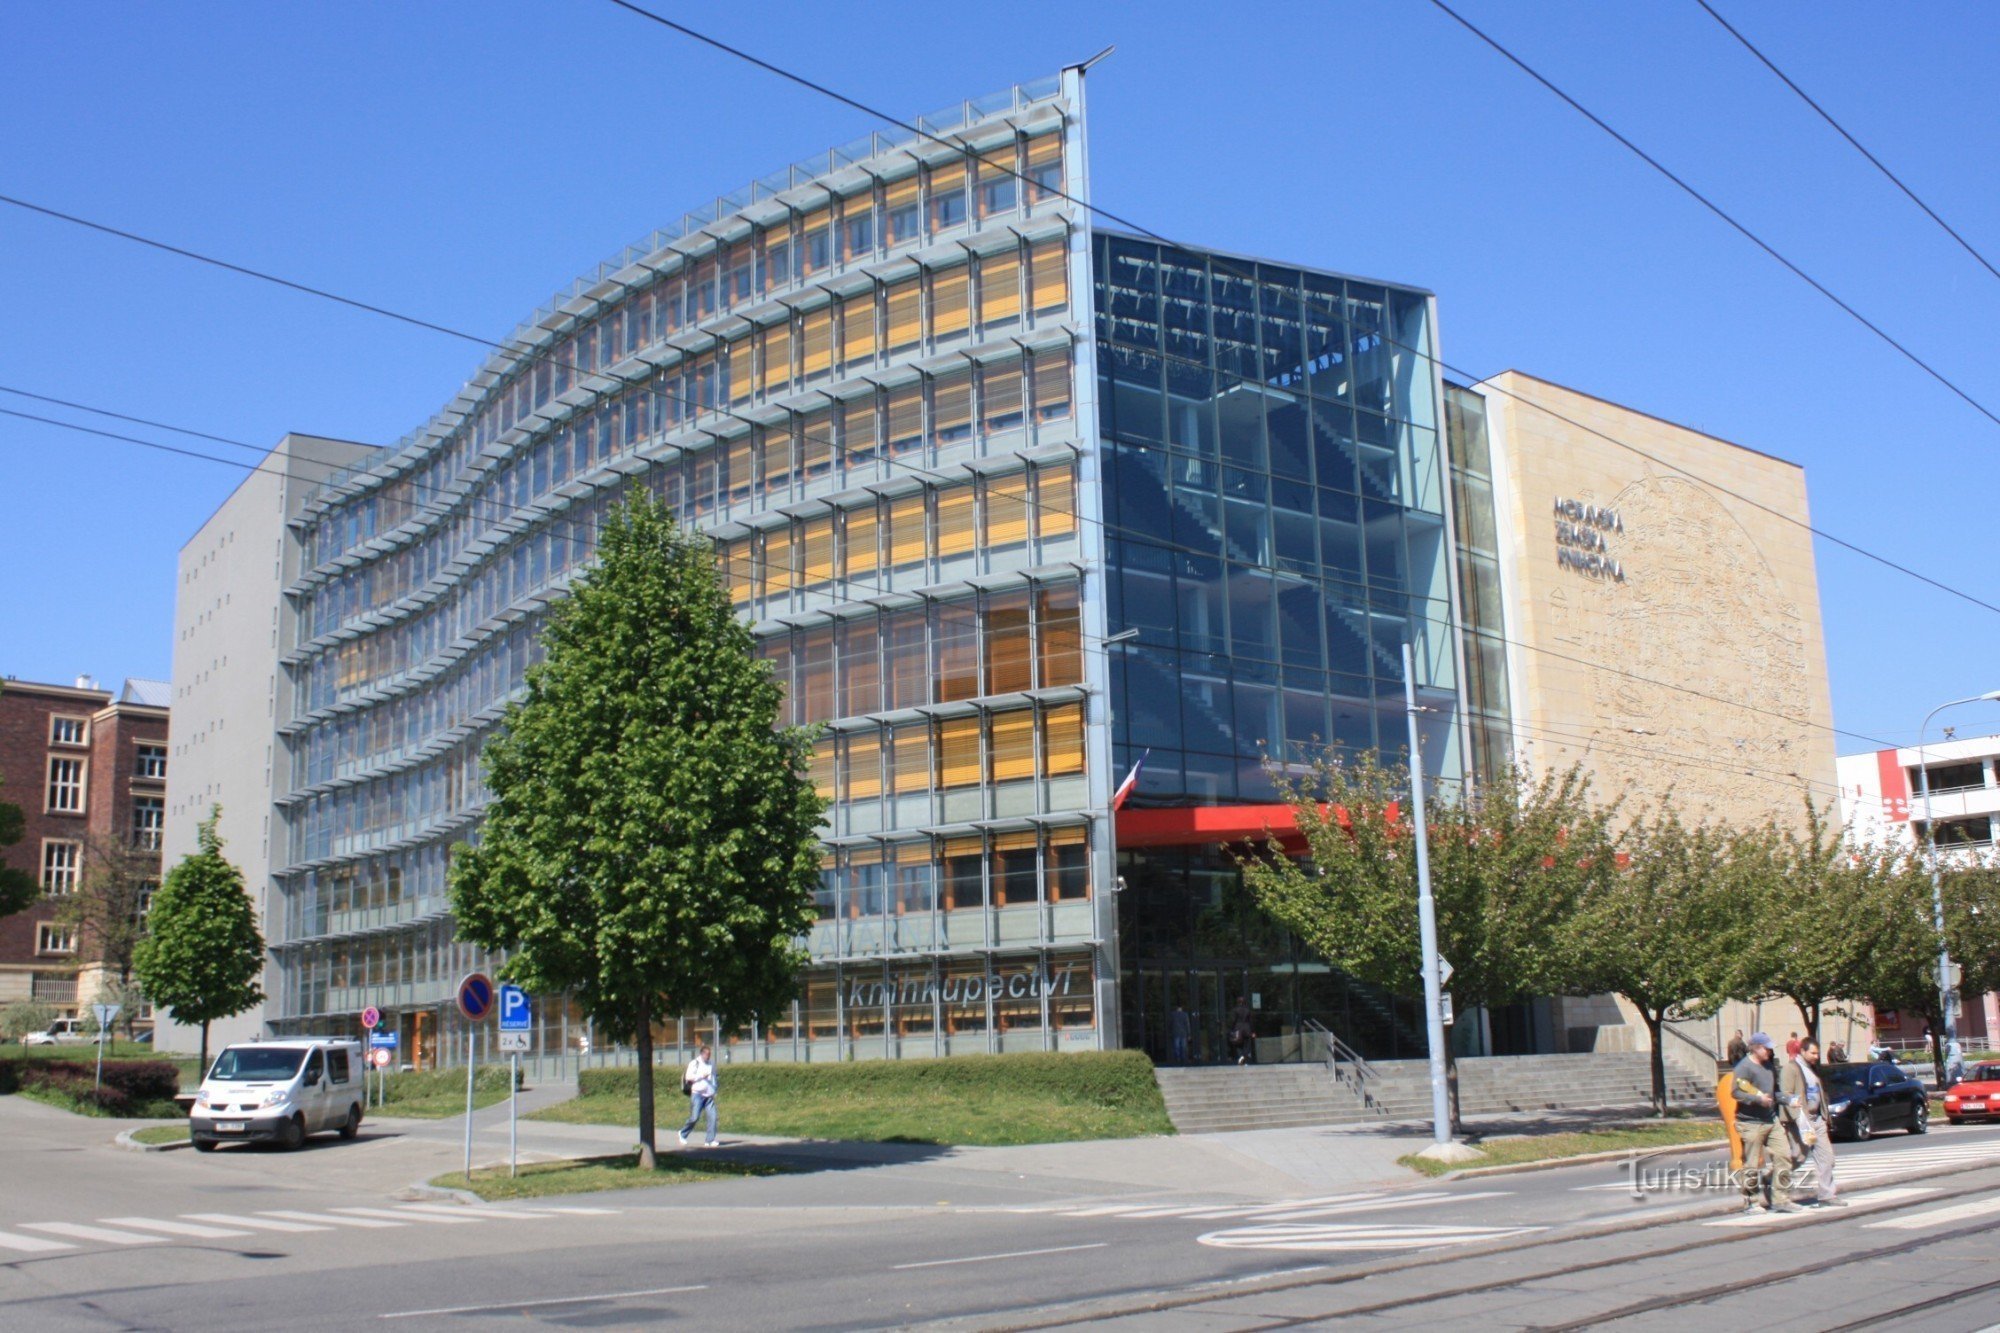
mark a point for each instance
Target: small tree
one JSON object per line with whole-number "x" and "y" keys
{"x": 1506, "y": 871}
{"x": 650, "y": 844}
{"x": 1660, "y": 931}
{"x": 203, "y": 955}
{"x": 1902, "y": 972}
{"x": 18, "y": 888}
{"x": 18, "y": 1020}
{"x": 107, "y": 909}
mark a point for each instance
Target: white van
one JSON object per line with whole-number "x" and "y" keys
{"x": 279, "y": 1091}
{"x": 62, "y": 1032}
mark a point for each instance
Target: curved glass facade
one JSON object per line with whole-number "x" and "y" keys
{"x": 947, "y": 442}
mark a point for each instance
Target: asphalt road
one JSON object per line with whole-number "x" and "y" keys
{"x": 93, "y": 1237}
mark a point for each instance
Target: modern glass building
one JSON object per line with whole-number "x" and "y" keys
{"x": 1010, "y": 503}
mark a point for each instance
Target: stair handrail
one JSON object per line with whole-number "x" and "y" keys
{"x": 1338, "y": 1054}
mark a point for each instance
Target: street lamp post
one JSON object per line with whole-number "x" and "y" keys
{"x": 1946, "y": 1000}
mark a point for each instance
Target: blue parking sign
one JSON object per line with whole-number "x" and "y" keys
{"x": 516, "y": 1015}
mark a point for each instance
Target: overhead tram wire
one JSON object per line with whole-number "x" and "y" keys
{"x": 1712, "y": 207}
{"x": 569, "y": 532}
{"x": 1223, "y": 263}
{"x": 1855, "y": 143}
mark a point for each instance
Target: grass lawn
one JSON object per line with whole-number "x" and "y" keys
{"x": 1551, "y": 1147}
{"x": 438, "y": 1094}
{"x": 161, "y": 1134}
{"x": 588, "y": 1174}
{"x": 974, "y": 1100}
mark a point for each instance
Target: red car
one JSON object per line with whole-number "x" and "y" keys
{"x": 1976, "y": 1098}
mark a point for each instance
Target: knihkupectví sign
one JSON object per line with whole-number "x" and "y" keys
{"x": 384, "y": 1041}
{"x": 475, "y": 996}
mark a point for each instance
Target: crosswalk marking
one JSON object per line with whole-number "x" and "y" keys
{"x": 196, "y": 1230}
{"x": 1331, "y": 1205}
{"x": 585, "y": 1212}
{"x": 448, "y": 1210}
{"x": 1761, "y": 1218}
{"x": 253, "y": 1223}
{"x": 397, "y": 1216}
{"x": 290, "y": 1215}
{"x": 31, "y": 1244}
{"x": 78, "y": 1231}
{"x": 1358, "y": 1236}
{"x": 1869, "y": 1166}
{"x": 1937, "y": 1217}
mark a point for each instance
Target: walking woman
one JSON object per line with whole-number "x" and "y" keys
{"x": 699, "y": 1080}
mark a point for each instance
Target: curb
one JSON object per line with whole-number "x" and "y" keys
{"x": 421, "y": 1192}
{"x": 130, "y": 1144}
{"x": 1582, "y": 1159}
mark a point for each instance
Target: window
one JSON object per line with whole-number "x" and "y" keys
{"x": 62, "y": 863}
{"x": 857, "y": 428}
{"x": 1062, "y": 740}
{"x": 951, "y": 407}
{"x": 69, "y": 731}
{"x": 857, "y": 328}
{"x": 996, "y": 180}
{"x": 1000, "y": 397}
{"x": 1009, "y": 651}
{"x": 958, "y": 753}
{"x": 950, "y": 303}
{"x": 336, "y": 1066}
{"x": 816, "y": 343}
{"x": 905, "y": 314}
{"x": 1007, "y": 512}
{"x": 1051, "y": 386}
{"x": 1044, "y": 167}
{"x": 859, "y": 546}
{"x": 1000, "y": 289}
{"x": 777, "y": 354}
{"x": 1014, "y": 753}
{"x": 152, "y": 762}
{"x": 149, "y": 820}
{"x": 900, "y": 203}
{"x": 956, "y": 531}
{"x": 65, "y": 785}
{"x": 1055, "y": 501}
{"x": 54, "y": 939}
{"x": 1068, "y": 866}
{"x": 906, "y": 418}
{"x": 858, "y": 227}
{"x": 947, "y": 196}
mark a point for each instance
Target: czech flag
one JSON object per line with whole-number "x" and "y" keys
{"x": 1131, "y": 781}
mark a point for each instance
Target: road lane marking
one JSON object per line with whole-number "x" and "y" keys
{"x": 1355, "y": 1236}
{"x": 173, "y": 1228}
{"x": 400, "y": 1216}
{"x": 1012, "y": 1254}
{"x": 327, "y": 1218}
{"x": 1937, "y": 1216}
{"x": 1409, "y": 1201}
{"x": 254, "y": 1223}
{"x": 32, "y": 1244}
{"x": 530, "y": 1305}
{"x": 103, "y": 1235}
{"x": 586, "y": 1212}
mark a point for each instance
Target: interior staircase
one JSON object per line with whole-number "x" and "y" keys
{"x": 1209, "y": 1099}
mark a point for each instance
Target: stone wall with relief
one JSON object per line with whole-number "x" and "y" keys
{"x": 1665, "y": 632}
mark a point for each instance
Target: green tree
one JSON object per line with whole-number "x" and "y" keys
{"x": 650, "y": 844}
{"x": 18, "y": 1020}
{"x": 203, "y": 953}
{"x": 1902, "y": 970}
{"x": 107, "y": 909}
{"x": 1661, "y": 929}
{"x": 1507, "y": 870}
{"x": 18, "y": 888}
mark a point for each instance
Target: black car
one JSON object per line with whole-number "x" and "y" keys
{"x": 1863, "y": 1099}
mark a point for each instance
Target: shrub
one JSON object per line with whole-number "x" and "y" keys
{"x": 18, "y": 1020}
{"x": 130, "y": 1087}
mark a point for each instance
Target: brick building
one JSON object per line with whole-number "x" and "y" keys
{"x": 88, "y": 769}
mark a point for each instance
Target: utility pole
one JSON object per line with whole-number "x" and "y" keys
{"x": 1426, "y": 914}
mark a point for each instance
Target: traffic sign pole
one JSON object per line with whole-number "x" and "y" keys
{"x": 471, "y": 1054}
{"x": 513, "y": 1121}
{"x": 475, "y": 1001}
{"x": 105, "y": 1013}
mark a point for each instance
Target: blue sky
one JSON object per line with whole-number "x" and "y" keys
{"x": 461, "y": 161}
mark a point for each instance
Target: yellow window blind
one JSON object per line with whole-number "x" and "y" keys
{"x": 864, "y": 766}
{"x": 857, "y": 328}
{"x": 1000, "y": 287}
{"x": 777, "y": 459}
{"x": 906, "y": 530}
{"x": 816, "y": 445}
{"x": 742, "y": 470}
{"x": 816, "y": 342}
{"x": 998, "y": 180}
{"x": 1048, "y": 263}
{"x": 958, "y": 752}
{"x": 899, "y": 200}
{"x": 955, "y": 521}
{"x": 950, "y": 301}
{"x": 1044, "y": 167}
{"x": 1009, "y": 659}
{"x": 1062, "y": 740}
{"x": 1014, "y": 748}
{"x": 906, "y": 418}
{"x": 947, "y": 195}
{"x": 859, "y": 543}
{"x": 823, "y": 767}
{"x": 1051, "y": 385}
{"x": 1000, "y": 397}
{"x": 1006, "y": 510}
{"x": 912, "y": 756}
{"x": 1055, "y": 499}
{"x": 815, "y": 249}
{"x": 776, "y": 351}
{"x": 778, "y": 576}
{"x": 818, "y": 541}
{"x": 1059, "y": 632}
{"x": 738, "y": 566}
{"x": 951, "y": 406}
{"x": 905, "y": 313}
{"x": 857, "y": 427}
{"x": 741, "y": 382}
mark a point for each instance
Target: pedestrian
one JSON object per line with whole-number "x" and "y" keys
{"x": 1242, "y": 1036}
{"x": 1836, "y": 1054}
{"x": 1725, "y": 1104}
{"x": 1738, "y": 1048}
{"x": 698, "y": 1082}
{"x": 1757, "y": 1120}
{"x": 1954, "y": 1063}
{"x": 1792, "y": 1047}
{"x": 1180, "y": 1026}
{"x": 1807, "y": 1118}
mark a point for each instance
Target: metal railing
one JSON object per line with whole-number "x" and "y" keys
{"x": 1344, "y": 1062}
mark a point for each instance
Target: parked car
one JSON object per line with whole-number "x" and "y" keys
{"x": 1864, "y": 1099}
{"x": 1976, "y": 1096}
{"x": 279, "y": 1092}
{"x": 63, "y": 1032}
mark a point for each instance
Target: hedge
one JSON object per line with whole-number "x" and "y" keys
{"x": 129, "y": 1086}
{"x": 1115, "y": 1079}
